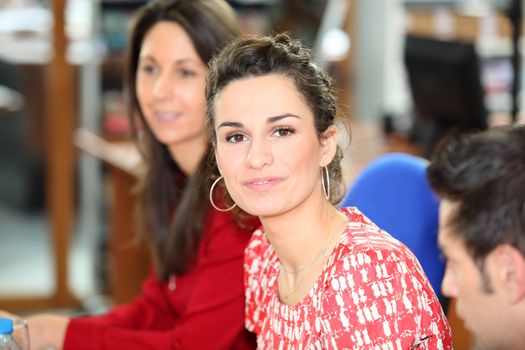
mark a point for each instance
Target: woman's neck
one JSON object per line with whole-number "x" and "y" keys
{"x": 298, "y": 236}
{"x": 188, "y": 155}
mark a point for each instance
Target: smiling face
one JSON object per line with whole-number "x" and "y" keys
{"x": 170, "y": 86}
{"x": 482, "y": 311}
{"x": 267, "y": 147}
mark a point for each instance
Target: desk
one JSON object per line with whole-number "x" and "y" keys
{"x": 128, "y": 261}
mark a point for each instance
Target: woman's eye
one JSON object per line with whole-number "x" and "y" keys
{"x": 283, "y": 131}
{"x": 148, "y": 68}
{"x": 235, "y": 138}
{"x": 187, "y": 73}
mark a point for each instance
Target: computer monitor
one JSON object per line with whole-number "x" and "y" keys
{"x": 445, "y": 83}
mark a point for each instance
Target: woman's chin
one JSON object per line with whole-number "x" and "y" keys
{"x": 252, "y": 211}
{"x": 262, "y": 211}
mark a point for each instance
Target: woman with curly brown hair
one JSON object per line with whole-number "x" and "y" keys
{"x": 316, "y": 277}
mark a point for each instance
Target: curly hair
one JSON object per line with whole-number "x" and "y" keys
{"x": 280, "y": 54}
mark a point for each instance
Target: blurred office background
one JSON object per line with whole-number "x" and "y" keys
{"x": 408, "y": 72}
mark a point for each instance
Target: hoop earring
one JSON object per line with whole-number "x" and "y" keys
{"x": 326, "y": 186}
{"x": 211, "y": 197}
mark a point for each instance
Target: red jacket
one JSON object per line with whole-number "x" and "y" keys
{"x": 203, "y": 309}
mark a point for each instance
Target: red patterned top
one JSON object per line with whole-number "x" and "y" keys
{"x": 372, "y": 294}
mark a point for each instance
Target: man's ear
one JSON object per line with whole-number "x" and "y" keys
{"x": 511, "y": 271}
{"x": 329, "y": 145}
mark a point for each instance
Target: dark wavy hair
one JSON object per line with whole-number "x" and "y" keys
{"x": 484, "y": 174}
{"x": 172, "y": 208}
{"x": 280, "y": 54}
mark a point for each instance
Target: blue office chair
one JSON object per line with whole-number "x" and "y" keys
{"x": 394, "y": 193}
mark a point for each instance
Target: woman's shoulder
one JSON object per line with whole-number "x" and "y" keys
{"x": 259, "y": 277}
{"x": 364, "y": 243}
{"x": 363, "y": 233}
{"x": 258, "y": 245}
{"x": 259, "y": 258}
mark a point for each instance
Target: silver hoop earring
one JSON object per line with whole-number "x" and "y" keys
{"x": 326, "y": 186}
{"x": 211, "y": 197}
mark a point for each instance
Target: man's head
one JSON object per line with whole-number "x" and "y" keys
{"x": 481, "y": 180}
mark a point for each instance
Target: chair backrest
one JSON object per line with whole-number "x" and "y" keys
{"x": 393, "y": 191}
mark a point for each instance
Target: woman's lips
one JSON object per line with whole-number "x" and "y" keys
{"x": 263, "y": 184}
{"x": 167, "y": 116}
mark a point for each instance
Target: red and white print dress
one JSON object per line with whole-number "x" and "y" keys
{"x": 372, "y": 294}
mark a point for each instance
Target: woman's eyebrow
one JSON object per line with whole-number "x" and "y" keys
{"x": 282, "y": 116}
{"x": 230, "y": 124}
{"x": 269, "y": 120}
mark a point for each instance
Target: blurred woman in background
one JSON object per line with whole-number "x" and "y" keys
{"x": 194, "y": 299}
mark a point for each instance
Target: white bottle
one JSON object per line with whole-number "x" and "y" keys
{"x": 7, "y": 342}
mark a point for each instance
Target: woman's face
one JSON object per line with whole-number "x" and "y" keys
{"x": 267, "y": 146}
{"x": 170, "y": 85}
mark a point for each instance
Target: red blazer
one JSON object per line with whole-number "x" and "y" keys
{"x": 203, "y": 309}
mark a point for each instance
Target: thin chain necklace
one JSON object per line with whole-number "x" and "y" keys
{"x": 309, "y": 264}
{"x": 303, "y": 276}
{"x": 306, "y": 266}
{"x": 289, "y": 294}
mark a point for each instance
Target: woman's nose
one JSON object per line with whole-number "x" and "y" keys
{"x": 163, "y": 87}
{"x": 259, "y": 154}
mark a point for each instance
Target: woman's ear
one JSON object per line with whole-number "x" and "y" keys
{"x": 217, "y": 161}
{"x": 328, "y": 145}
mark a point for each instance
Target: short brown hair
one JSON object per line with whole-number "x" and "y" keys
{"x": 484, "y": 173}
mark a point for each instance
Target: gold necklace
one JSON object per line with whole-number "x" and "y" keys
{"x": 305, "y": 267}
{"x": 300, "y": 280}
{"x": 297, "y": 284}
